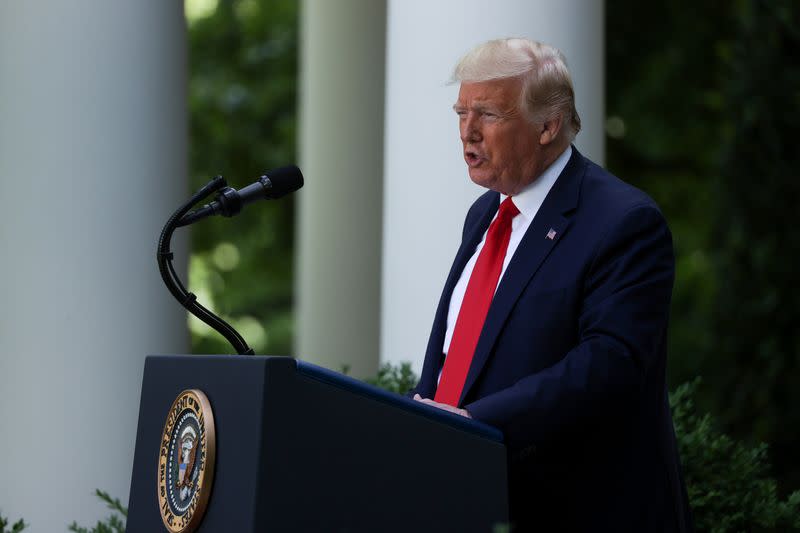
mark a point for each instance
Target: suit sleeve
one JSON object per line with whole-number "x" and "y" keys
{"x": 622, "y": 325}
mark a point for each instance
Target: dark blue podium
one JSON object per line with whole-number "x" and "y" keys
{"x": 301, "y": 448}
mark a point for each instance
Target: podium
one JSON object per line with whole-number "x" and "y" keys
{"x": 301, "y": 448}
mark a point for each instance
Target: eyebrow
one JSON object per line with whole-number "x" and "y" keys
{"x": 475, "y": 107}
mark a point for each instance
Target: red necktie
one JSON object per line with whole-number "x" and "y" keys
{"x": 477, "y": 299}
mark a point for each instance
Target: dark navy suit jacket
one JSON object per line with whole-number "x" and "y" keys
{"x": 571, "y": 361}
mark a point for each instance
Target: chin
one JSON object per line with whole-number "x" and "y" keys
{"x": 480, "y": 178}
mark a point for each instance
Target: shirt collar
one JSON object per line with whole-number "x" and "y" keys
{"x": 531, "y": 198}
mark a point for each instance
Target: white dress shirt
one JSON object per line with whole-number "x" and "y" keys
{"x": 528, "y": 201}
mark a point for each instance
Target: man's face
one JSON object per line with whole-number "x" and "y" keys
{"x": 501, "y": 147}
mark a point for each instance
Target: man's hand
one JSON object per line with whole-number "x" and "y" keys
{"x": 443, "y": 406}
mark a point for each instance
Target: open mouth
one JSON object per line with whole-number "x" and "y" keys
{"x": 472, "y": 158}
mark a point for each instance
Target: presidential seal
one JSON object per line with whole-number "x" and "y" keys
{"x": 186, "y": 462}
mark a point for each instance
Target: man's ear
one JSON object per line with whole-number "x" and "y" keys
{"x": 550, "y": 130}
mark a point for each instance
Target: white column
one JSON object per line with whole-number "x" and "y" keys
{"x": 341, "y": 155}
{"x": 92, "y": 161}
{"x": 427, "y": 190}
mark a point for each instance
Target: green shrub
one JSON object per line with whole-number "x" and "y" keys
{"x": 113, "y": 524}
{"x": 399, "y": 379}
{"x": 19, "y": 525}
{"x": 729, "y": 483}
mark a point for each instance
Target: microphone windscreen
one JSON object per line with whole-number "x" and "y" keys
{"x": 284, "y": 180}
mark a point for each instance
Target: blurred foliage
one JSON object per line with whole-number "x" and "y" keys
{"x": 115, "y": 523}
{"x": 242, "y": 99}
{"x": 16, "y": 527}
{"x": 756, "y": 244}
{"x": 703, "y": 106}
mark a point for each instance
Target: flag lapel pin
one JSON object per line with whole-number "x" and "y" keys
{"x": 551, "y": 234}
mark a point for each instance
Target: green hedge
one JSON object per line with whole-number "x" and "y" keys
{"x": 729, "y": 482}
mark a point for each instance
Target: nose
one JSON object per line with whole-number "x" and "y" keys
{"x": 469, "y": 128}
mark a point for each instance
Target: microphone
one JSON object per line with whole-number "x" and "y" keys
{"x": 229, "y": 201}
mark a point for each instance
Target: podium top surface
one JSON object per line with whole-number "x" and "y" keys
{"x": 376, "y": 393}
{"x": 357, "y": 387}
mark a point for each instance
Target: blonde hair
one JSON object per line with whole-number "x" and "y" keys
{"x": 546, "y": 84}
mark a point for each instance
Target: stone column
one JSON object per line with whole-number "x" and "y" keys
{"x": 92, "y": 162}
{"x": 341, "y": 155}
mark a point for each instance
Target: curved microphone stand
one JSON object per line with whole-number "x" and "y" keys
{"x": 185, "y": 298}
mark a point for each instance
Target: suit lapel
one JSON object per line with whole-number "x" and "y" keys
{"x": 546, "y": 230}
{"x": 468, "y": 246}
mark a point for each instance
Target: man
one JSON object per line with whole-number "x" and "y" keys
{"x": 552, "y": 325}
